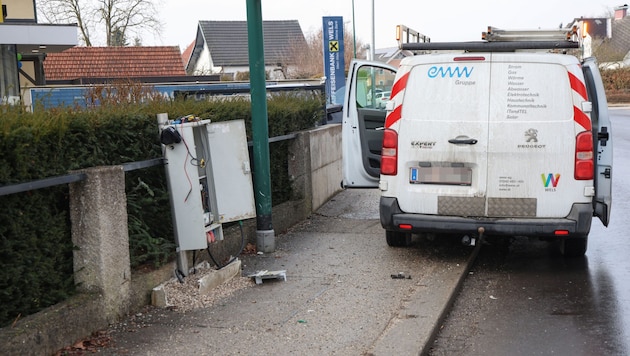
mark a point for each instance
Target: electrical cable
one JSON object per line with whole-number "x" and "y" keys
{"x": 186, "y": 164}
{"x": 240, "y": 224}
{"x": 194, "y": 261}
{"x": 180, "y": 276}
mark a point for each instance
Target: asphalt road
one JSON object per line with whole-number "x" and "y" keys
{"x": 524, "y": 299}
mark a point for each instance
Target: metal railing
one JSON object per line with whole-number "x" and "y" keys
{"x": 77, "y": 177}
{"x": 70, "y": 178}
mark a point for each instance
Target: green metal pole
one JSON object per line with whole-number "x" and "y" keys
{"x": 265, "y": 237}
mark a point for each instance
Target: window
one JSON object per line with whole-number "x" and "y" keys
{"x": 9, "y": 79}
{"x": 374, "y": 87}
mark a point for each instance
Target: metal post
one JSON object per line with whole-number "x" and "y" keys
{"x": 373, "y": 49}
{"x": 265, "y": 237}
{"x": 354, "y": 36}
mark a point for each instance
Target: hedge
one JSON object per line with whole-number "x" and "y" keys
{"x": 35, "y": 239}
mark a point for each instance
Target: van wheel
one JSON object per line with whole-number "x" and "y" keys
{"x": 398, "y": 239}
{"x": 574, "y": 246}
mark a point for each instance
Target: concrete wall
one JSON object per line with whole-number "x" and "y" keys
{"x": 109, "y": 290}
{"x": 315, "y": 165}
{"x": 325, "y": 149}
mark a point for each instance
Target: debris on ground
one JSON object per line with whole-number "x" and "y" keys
{"x": 260, "y": 275}
{"x": 95, "y": 342}
{"x": 401, "y": 275}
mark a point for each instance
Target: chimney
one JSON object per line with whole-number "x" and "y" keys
{"x": 620, "y": 11}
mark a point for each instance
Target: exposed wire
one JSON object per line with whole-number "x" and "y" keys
{"x": 240, "y": 224}
{"x": 186, "y": 164}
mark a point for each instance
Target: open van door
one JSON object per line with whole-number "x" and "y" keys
{"x": 602, "y": 137}
{"x": 363, "y": 122}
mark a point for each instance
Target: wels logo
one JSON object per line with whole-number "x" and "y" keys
{"x": 550, "y": 179}
{"x": 450, "y": 72}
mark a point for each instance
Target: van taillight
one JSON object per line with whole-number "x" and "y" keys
{"x": 584, "y": 166}
{"x": 389, "y": 154}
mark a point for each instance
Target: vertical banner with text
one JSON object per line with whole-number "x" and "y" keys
{"x": 334, "y": 65}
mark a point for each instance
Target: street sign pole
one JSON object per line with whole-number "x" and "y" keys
{"x": 265, "y": 236}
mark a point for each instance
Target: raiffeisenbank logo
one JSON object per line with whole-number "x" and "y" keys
{"x": 550, "y": 181}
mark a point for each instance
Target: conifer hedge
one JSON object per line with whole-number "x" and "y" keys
{"x": 35, "y": 240}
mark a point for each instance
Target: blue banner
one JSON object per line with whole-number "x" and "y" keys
{"x": 334, "y": 64}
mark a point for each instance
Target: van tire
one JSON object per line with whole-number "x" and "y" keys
{"x": 574, "y": 246}
{"x": 398, "y": 239}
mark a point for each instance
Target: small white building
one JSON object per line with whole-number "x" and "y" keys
{"x": 221, "y": 47}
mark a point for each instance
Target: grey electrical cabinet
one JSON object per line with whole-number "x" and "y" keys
{"x": 231, "y": 171}
{"x": 209, "y": 177}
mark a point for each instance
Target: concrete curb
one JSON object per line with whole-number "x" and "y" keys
{"x": 414, "y": 329}
{"x": 446, "y": 307}
{"x": 159, "y": 297}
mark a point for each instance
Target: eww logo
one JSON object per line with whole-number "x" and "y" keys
{"x": 450, "y": 72}
{"x": 550, "y": 178}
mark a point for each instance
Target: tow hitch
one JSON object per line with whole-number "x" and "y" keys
{"x": 471, "y": 240}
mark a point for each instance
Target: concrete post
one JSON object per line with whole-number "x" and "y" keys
{"x": 98, "y": 212}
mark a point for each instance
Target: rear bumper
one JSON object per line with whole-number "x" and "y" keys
{"x": 578, "y": 222}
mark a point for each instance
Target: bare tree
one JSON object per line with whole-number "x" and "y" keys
{"x": 65, "y": 11}
{"x": 309, "y": 62}
{"x": 114, "y": 20}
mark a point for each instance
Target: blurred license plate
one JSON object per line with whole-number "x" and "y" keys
{"x": 441, "y": 175}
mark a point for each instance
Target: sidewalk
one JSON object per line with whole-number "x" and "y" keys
{"x": 339, "y": 297}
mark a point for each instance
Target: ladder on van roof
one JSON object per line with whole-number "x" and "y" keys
{"x": 498, "y": 40}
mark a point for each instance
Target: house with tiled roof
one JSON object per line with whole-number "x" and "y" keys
{"x": 89, "y": 64}
{"x": 620, "y": 33}
{"x": 222, "y": 47}
{"x": 608, "y": 38}
{"x": 187, "y": 53}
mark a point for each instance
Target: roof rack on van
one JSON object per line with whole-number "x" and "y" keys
{"x": 560, "y": 34}
{"x": 406, "y": 35}
{"x": 507, "y": 40}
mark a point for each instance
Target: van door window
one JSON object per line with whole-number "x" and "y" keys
{"x": 374, "y": 87}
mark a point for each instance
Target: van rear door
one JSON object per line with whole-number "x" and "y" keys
{"x": 362, "y": 122}
{"x": 602, "y": 136}
{"x": 532, "y": 136}
{"x": 442, "y": 135}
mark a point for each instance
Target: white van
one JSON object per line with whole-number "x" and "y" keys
{"x": 485, "y": 141}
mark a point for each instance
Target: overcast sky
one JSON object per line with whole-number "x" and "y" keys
{"x": 454, "y": 20}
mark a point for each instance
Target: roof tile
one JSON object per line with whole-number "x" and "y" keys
{"x": 114, "y": 62}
